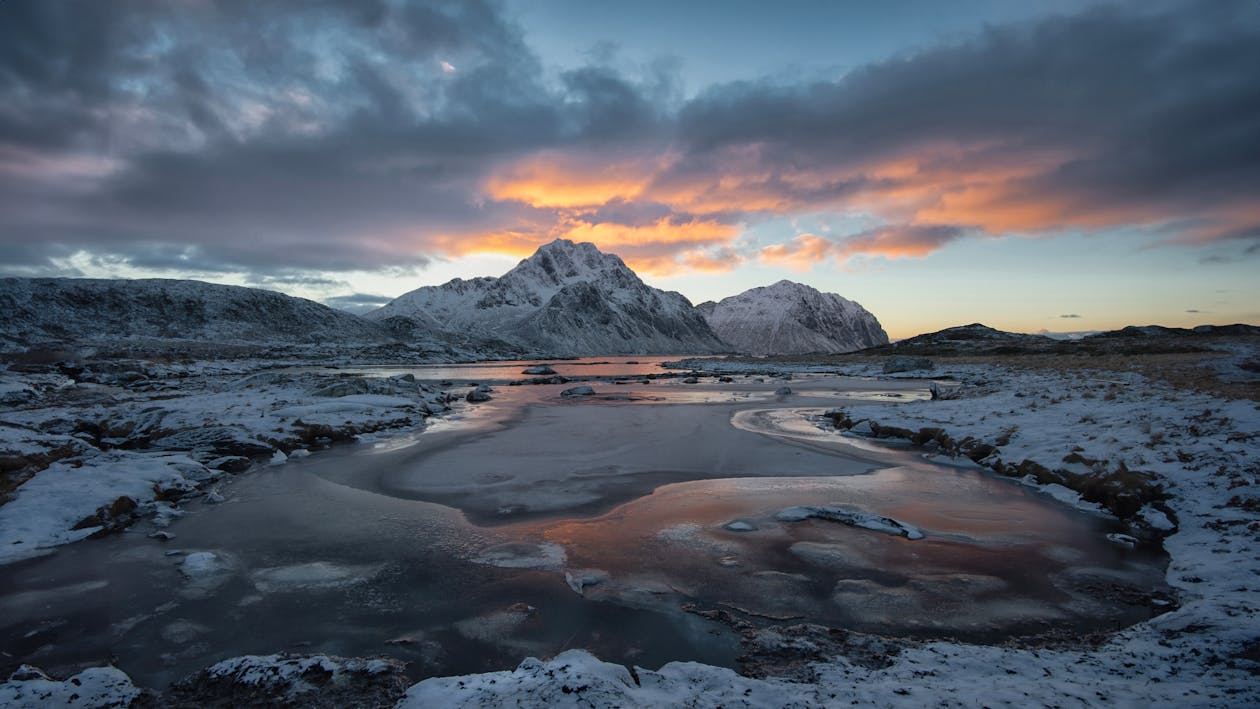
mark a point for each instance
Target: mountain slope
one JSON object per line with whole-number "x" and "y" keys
{"x": 568, "y": 299}
{"x": 87, "y": 311}
{"x": 791, "y": 318}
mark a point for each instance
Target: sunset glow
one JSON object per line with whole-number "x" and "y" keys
{"x": 363, "y": 158}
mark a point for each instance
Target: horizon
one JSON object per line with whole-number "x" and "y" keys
{"x": 1054, "y": 334}
{"x": 1042, "y": 167}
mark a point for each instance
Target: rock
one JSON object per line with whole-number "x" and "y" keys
{"x": 1123, "y": 540}
{"x": 725, "y": 380}
{"x": 557, "y": 379}
{"x": 906, "y": 364}
{"x": 740, "y": 525}
{"x": 231, "y": 464}
{"x": 219, "y": 440}
{"x": 783, "y": 391}
{"x": 114, "y": 517}
{"x": 539, "y": 369}
{"x": 162, "y": 536}
{"x": 579, "y": 579}
{"x": 691, "y": 380}
{"x": 578, "y": 391}
{"x": 214, "y": 497}
{"x": 317, "y": 681}
{"x": 851, "y": 517}
{"x": 477, "y": 395}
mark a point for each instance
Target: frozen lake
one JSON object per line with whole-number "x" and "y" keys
{"x": 534, "y": 523}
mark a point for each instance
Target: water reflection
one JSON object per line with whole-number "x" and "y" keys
{"x": 533, "y": 523}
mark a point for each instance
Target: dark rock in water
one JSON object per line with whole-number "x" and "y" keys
{"x": 319, "y": 681}
{"x": 725, "y": 380}
{"x": 578, "y": 391}
{"x": 479, "y": 394}
{"x": 944, "y": 393}
{"x": 783, "y": 391}
{"x": 691, "y": 380}
{"x": 906, "y": 364}
{"x": 557, "y": 379}
{"x": 539, "y": 369}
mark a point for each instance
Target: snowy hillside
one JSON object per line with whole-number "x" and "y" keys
{"x": 566, "y": 299}
{"x": 790, "y": 318}
{"x": 87, "y": 311}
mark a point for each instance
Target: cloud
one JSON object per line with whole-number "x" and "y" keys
{"x": 1117, "y": 116}
{"x": 334, "y": 137}
{"x": 1070, "y": 315}
{"x": 802, "y": 252}
{"x": 664, "y": 246}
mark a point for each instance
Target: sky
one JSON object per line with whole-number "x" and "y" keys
{"x": 1059, "y": 166}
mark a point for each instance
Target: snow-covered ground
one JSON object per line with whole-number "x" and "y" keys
{"x": 1205, "y": 652}
{"x": 98, "y": 455}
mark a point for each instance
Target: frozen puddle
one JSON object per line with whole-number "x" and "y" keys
{"x": 900, "y": 551}
{"x": 538, "y": 524}
{"x": 313, "y": 576}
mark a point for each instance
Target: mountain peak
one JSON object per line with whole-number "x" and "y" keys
{"x": 567, "y": 298}
{"x": 792, "y": 318}
{"x": 563, "y": 262}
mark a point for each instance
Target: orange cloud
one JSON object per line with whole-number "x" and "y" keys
{"x": 662, "y": 231}
{"x": 800, "y": 253}
{"x": 660, "y": 248}
{"x": 898, "y": 241}
{"x": 663, "y": 247}
{"x": 720, "y": 261}
{"x": 804, "y": 251}
{"x": 553, "y": 179}
{"x": 927, "y": 196}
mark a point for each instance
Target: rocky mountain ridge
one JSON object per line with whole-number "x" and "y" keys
{"x": 791, "y": 318}
{"x": 90, "y": 311}
{"x": 569, "y": 299}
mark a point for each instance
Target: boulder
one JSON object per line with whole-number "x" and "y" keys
{"x": 578, "y": 391}
{"x": 893, "y": 365}
{"x": 539, "y": 369}
{"x": 480, "y": 393}
{"x": 231, "y": 464}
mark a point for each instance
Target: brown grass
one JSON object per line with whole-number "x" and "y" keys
{"x": 1187, "y": 370}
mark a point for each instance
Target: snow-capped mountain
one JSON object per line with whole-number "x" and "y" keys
{"x": 92, "y": 311}
{"x": 568, "y": 298}
{"x": 790, "y": 318}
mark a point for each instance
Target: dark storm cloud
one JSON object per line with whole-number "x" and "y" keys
{"x": 333, "y": 136}
{"x": 326, "y": 135}
{"x": 1138, "y": 114}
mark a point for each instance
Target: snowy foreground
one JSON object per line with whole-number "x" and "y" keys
{"x": 135, "y": 443}
{"x": 1205, "y": 652}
